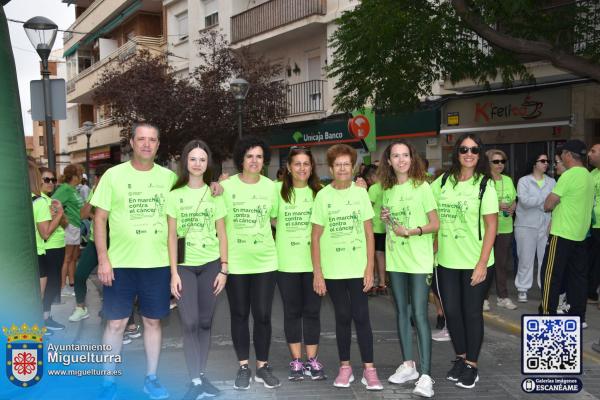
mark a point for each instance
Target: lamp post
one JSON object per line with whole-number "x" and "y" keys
{"x": 88, "y": 128}
{"x": 239, "y": 88}
{"x": 41, "y": 33}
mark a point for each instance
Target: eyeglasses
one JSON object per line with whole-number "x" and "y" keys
{"x": 543, "y": 161}
{"x": 48, "y": 180}
{"x": 342, "y": 165}
{"x": 498, "y": 162}
{"x": 465, "y": 149}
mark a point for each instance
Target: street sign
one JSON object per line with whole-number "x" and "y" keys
{"x": 58, "y": 99}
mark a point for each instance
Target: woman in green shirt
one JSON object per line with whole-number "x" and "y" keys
{"x": 199, "y": 274}
{"x": 250, "y": 203}
{"x": 507, "y": 195}
{"x": 301, "y": 305}
{"x": 468, "y": 211}
{"x": 342, "y": 248}
{"x": 409, "y": 211}
{"x": 67, "y": 194}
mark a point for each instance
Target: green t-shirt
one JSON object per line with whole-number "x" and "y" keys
{"x": 292, "y": 237}
{"x": 57, "y": 239}
{"x": 89, "y": 200}
{"x": 376, "y": 196}
{"x": 41, "y": 213}
{"x": 135, "y": 201}
{"x": 409, "y": 207}
{"x": 343, "y": 245}
{"x": 571, "y": 217}
{"x": 196, "y": 221}
{"x": 459, "y": 246}
{"x": 251, "y": 248}
{"x": 71, "y": 202}
{"x": 505, "y": 189}
{"x": 596, "y": 179}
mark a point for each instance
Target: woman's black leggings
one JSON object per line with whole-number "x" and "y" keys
{"x": 463, "y": 307}
{"x": 351, "y": 304}
{"x": 254, "y": 292}
{"x": 54, "y": 262}
{"x": 301, "y": 307}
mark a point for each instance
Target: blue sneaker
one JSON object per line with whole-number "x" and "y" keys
{"x": 154, "y": 389}
{"x": 108, "y": 391}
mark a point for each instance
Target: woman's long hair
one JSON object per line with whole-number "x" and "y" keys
{"x": 416, "y": 172}
{"x": 35, "y": 178}
{"x": 481, "y": 169}
{"x": 287, "y": 187}
{"x": 183, "y": 175}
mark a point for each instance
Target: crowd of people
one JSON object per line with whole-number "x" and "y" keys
{"x": 159, "y": 235}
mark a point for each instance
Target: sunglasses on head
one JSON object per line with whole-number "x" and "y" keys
{"x": 543, "y": 161}
{"x": 498, "y": 162}
{"x": 48, "y": 180}
{"x": 303, "y": 148}
{"x": 465, "y": 149}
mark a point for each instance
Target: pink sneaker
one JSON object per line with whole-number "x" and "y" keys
{"x": 370, "y": 379}
{"x": 345, "y": 377}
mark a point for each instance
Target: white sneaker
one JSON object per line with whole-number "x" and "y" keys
{"x": 79, "y": 314}
{"x": 486, "y": 305}
{"x": 424, "y": 386}
{"x": 584, "y": 325}
{"x": 403, "y": 373}
{"x": 563, "y": 306}
{"x": 506, "y": 303}
{"x": 441, "y": 336}
{"x": 522, "y": 297}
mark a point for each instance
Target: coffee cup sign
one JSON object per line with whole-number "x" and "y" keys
{"x": 359, "y": 126}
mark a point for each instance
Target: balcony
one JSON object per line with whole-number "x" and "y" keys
{"x": 80, "y": 87}
{"x": 305, "y": 97}
{"x": 272, "y": 15}
{"x": 105, "y": 133}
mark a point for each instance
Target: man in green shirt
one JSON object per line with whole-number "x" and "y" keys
{"x": 594, "y": 240}
{"x": 131, "y": 198}
{"x": 571, "y": 203}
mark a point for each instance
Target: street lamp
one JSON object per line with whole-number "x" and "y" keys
{"x": 88, "y": 127}
{"x": 239, "y": 88}
{"x": 41, "y": 33}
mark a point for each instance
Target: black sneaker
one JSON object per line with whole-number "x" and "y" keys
{"x": 314, "y": 369}
{"x": 296, "y": 370}
{"x": 456, "y": 370}
{"x": 441, "y": 322}
{"x": 242, "y": 380}
{"x": 468, "y": 378}
{"x": 208, "y": 389}
{"x": 53, "y": 325}
{"x": 193, "y": 392}
{"x": 265, "y": 376}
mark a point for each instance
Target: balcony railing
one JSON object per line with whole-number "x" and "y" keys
{"x": 305, "y": 97}
{"x": 72, "y": 136}
{"x": 271, "y": 15}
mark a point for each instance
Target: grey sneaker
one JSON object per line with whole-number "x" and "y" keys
{"x": 265, "y": 376}
{"x": 243, "y": 378}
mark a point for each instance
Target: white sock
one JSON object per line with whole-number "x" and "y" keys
{"x": 197, "y": 381}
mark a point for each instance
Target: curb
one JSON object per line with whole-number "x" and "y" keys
{"x": 515, "y": 329}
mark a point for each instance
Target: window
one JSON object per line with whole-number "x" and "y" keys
{"x": 182, "y": 25}
{"x": 211, "y": 12}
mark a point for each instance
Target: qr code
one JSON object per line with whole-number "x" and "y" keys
{"x": 551, "y": 344}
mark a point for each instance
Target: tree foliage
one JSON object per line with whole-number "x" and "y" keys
{"x": 389, "y": 53}
{"x": 198, "y": 106}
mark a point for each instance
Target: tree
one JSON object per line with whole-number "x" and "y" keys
{"x": 198, "y": 106}
{"x": 389, "y": 52}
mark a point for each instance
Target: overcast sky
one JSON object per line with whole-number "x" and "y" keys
{"x": 26, "y": 59}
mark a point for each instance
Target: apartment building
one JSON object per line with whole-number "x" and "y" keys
{"x": 295, "y": 34}
{"x": 104, "y": 34}
{"x": 58, "y": 70}
{"x": 526, "y": 119}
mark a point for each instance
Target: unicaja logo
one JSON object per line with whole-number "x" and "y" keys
{"x": 24, "y": 354}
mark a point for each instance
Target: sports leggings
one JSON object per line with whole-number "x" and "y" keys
{"x": 301, "y": 307}
{"x": 254, "y": 292}
{"x": 350, "y": 303}
{"x": 196, "y": 308}
{"x": 88, "y": 260}
{"x": 411, "y": 292}
{"x": 463, "y": 307}
{"x": 54, "y": 261}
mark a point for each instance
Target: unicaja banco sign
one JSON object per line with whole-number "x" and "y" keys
{"x": 490, "y": 111}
